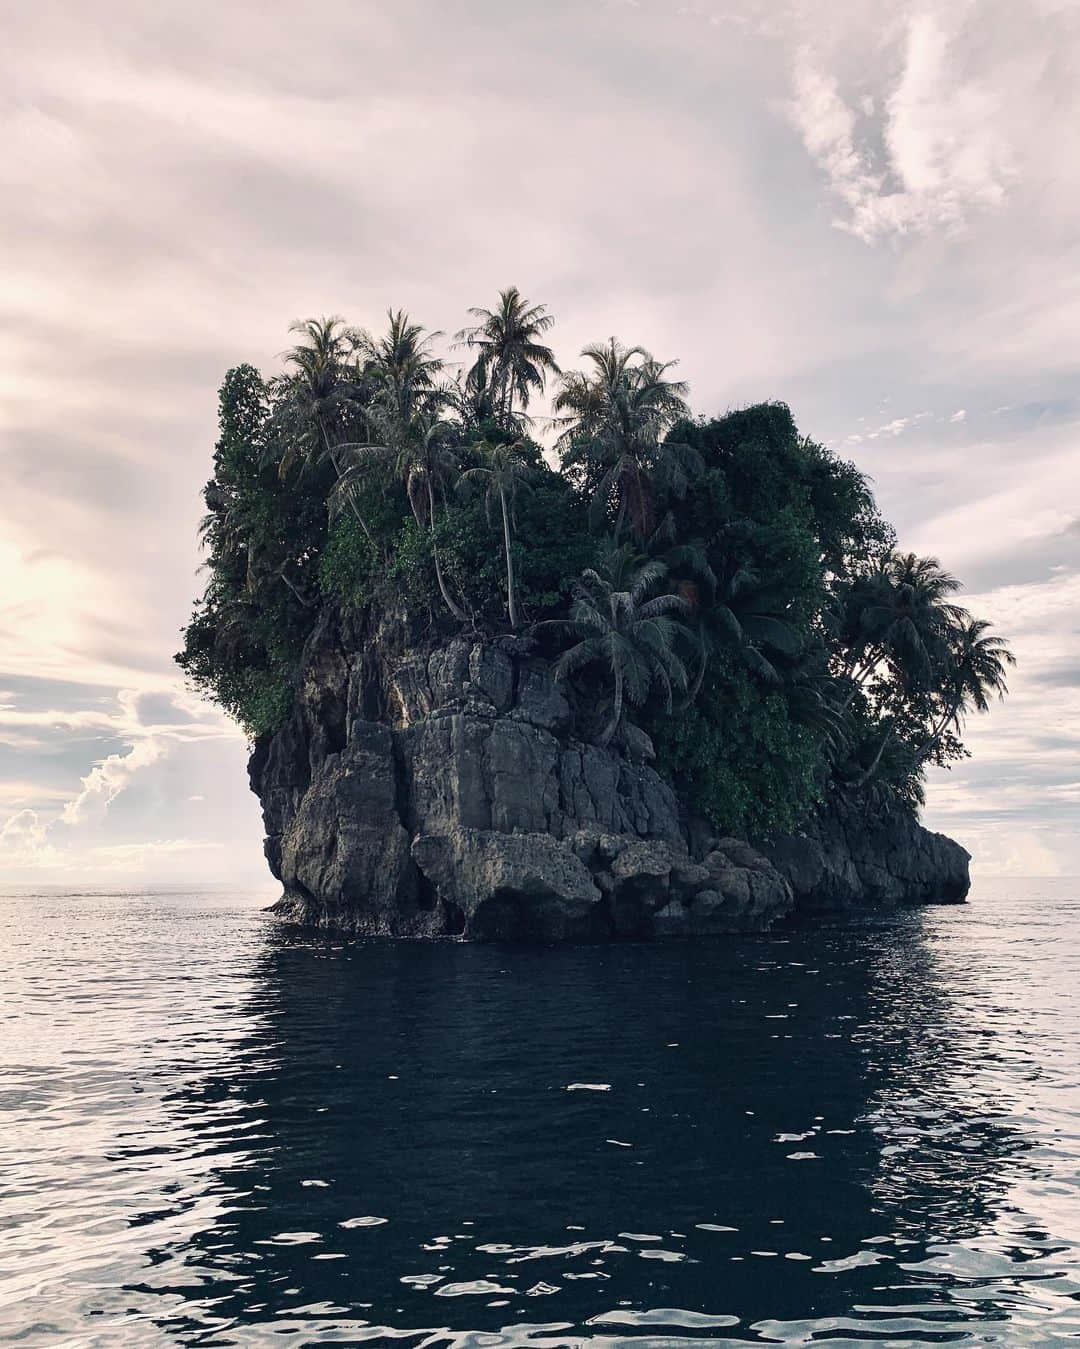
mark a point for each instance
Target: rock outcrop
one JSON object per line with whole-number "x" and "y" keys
{"x": 428, "y": 791}
{"x": 850, "y": 857}
{"x": 435, "y": 788}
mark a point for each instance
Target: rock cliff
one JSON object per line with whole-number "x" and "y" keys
{"x": 430, "y": 787}
{"x": 849, "y": 857}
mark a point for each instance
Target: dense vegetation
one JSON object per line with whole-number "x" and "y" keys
{"x": 727, "y": 586}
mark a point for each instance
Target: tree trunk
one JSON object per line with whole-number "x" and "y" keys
{"x": 858, "y": 676}
{"x": 511, "y": 603}
{"x": 938, "y": 731}
{"x": 507, "y": 399}
{"x": 640, "y": 513}
{"x": 616, "y": 712}
{"x": 306, "y": 603}
{"x": 865, "y": 777}
{"x": 458, "y": 614}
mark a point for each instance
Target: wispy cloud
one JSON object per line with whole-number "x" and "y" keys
{"x": 946, "y": 134}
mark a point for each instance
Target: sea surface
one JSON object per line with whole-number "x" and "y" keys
{"x": 213, "y": 1132}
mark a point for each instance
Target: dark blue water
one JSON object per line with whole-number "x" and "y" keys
{"x": 215, "y": 1134}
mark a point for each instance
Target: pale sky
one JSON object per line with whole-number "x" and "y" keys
{"x": 867, "y": 208}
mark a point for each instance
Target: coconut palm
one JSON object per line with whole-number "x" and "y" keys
{"x": 421, "y": 461}
{"x": 413, "y": 440}
{"x": 513, "y": 358}
{"x": 974, "y": 672}
{"x": 317, "y": 391}
{"x": 633, "y": 635}
{"x": 742, "y": 615}
{"x": 612, "y": 420}
{"x": 404, "y": 375}
{"x": 473, "y": 398}
{"x": 503, "y": 473}
{"x": 898, "y": 613}
{"x": 319, "y": 398}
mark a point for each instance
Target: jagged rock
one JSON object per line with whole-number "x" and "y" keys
{"x": 431, "y": 788}
{"x": 643, "y": 866}
{"x": 673, "y": 920}
{"x": 509, "y": 887}
{"x": 638, "y": 744}
{"x": 739, "y": 853}
{"x": 345, "y": 855}
{"x": 540, "y": 701}
{"x": 847, "y": 857}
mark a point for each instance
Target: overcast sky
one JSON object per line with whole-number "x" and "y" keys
{"x": 867, "y": 208}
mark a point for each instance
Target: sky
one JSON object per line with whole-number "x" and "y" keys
{"x": 869, "y": 209}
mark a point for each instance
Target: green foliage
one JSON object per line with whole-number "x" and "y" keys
{"x": 263, "y": 537}
{"x": 249, "y": 673}
{"x": 760, "y": 625}
{"x": 739, "y": 758}
{"x": 347, "y": 564}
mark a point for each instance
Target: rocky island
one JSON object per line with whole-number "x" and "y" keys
{"x": 681, "y": 684}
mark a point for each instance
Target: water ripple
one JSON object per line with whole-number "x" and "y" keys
{"x": 218, "y": 1135}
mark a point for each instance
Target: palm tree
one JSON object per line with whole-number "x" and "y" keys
{"x": 473, "y": 398}
{"x": 317, "y": 390}
{"x": 515, "y": 361}
{"x": 420, "y": 462}
{"x": 613, "y": 419}
{"x": 403, "y": 412}
{"x": 899, "y": 613}
{"x": 503, "y": 473}
{"x": 404, "y": 374}
{"x": 634, "y": 635}
{"x": 974, "y": 671}
{"x": 741, "y": 614}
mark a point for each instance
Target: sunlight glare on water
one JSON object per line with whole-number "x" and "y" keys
{"x": 219, "y": 1133}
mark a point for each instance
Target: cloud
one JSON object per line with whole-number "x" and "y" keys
{"x": 890, "y": 428}
{"x": 107, "y": 779}
{"x": 24, "y": 843}
{"x": 150, "y": 725}
{"x": 823, "y": 203}
{"x": 946, "y": 137}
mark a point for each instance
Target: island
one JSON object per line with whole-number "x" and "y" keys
{"x": 622, "y": 673}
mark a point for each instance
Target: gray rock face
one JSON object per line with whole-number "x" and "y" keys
{"x": 428, "y": 790}
{"x": 442, "y": 791}
{"x": 849, "y": 858}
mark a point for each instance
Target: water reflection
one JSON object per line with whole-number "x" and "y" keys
{"x": 817, "y": 1135}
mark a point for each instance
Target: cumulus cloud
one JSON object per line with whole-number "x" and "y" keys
{"x": 150, "y": 725}
{"x": 24, "y": 843}
{"x": 107, "y": 779}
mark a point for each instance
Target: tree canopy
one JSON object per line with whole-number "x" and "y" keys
{"x": 725, "y": 585}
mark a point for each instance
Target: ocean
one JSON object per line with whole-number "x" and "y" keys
{"x": 214, "y": 1131}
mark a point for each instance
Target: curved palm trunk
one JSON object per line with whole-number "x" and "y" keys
{"x": 511, "y": 602}
{"x": 458, "y": 614}
{"x": 938, "y": 731}
{"x": 859, "y": 675}
{"x": 617, "y": 706}
{"x": 865, "y": 777}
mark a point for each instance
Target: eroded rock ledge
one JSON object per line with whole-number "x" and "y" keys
{"x": 432, "y": 790}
